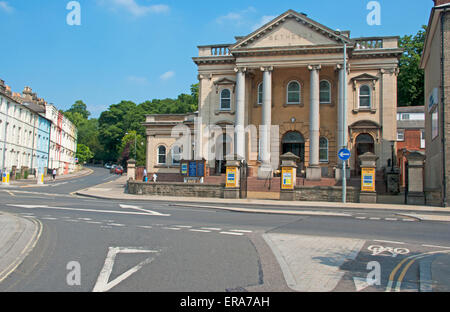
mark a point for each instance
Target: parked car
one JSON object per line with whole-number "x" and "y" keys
{"x": 113, "y": 169}
{"x": 119, "y": 170}
{"x": 108, "y": 166}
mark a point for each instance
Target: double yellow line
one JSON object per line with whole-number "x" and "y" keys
{"x": 411, "y": 260}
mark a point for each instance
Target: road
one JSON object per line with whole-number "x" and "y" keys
{"x": 120, "y": 246}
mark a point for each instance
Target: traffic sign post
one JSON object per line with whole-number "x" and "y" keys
{"x": 344, "y": 155}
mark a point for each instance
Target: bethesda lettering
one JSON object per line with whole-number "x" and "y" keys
{"x": 193, "y": 302}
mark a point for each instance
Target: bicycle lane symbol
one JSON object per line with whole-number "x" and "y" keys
{"x": 378, "y": 250}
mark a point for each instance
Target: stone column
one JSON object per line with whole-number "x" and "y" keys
{"x": 131, "y": 170}
{"x": 265, "y": 170}
{"x": 313, "y": 172}
{"x": 240, "y": 113}
{"x": 416, "y": 195}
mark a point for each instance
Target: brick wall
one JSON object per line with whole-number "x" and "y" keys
{"x": 176, "y": 189}
{"x": 325, "y": 194}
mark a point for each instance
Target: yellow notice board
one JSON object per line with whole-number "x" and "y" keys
{"x": 231, "y": 177}
{"x": 287, "y": 181}
{"x": 368, "y": 179}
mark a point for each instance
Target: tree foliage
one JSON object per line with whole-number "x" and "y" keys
{"x": 84, "y": 154}
{"x": 411, "y": 78}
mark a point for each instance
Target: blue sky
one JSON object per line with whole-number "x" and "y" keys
{"x": 142, "y": 49}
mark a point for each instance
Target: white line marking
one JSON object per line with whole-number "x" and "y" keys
{"x": 203, "y": 231}
{"x": 408, "y": 220}
{"x": 375, "y": 218}
{"x": 116, "y": 224}
{"x": 93, "y": 222}
{"x": 150, "y": 212}
{"x": 435, "y": 246}
{"x": 232, "y": 233}
{"x": 386, "y": 241}
{"x": 361, "y": 218}
{"x": 48, "y": 218}
{"x": 241, "y": 231}
{"x": 183, "y": 226}
{"x": 212, "y": 229}
{"x": 102, "y": 284}
{"x": 169, "y": 228}
{"x": 145, "y": 226}
{"x": 391, "y": 219}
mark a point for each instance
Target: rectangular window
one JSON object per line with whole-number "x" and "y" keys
{"x": 422, "y": 139}
{"x": 434, "y": 124}
{"x": 405, "y": 117}
{"x": 400, "y": 135}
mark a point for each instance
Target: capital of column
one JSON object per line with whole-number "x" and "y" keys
{"x": 240, "y": 69}
{"x": 266, "y": 68}
{"x": 314, "y": 67}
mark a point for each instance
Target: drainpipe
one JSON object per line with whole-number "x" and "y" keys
{"x": 444, "y": 171}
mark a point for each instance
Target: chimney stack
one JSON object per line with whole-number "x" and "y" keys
{"x": 441, "y": 2}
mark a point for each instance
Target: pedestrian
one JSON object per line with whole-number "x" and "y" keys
{"x": 145, "y": 175}
{"x": 155, "y": 177}
{"x": 54, "y": 174}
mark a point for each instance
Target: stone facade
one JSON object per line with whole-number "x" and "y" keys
{"x": 176, "y": 189}
{"x": 437, "y": 104}
{"x": 290, "y": 74}
{"x": 325, "y": 194}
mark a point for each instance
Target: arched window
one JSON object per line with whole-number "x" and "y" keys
{"x": 260, "y": 93}
{"x": 325, "y": 92}
{"x": 293, "y": 92}
{"x": 225, "y": 99}
{"x": 161, "y": 155}
{"x": 323, "y": 149}
{"x": 364, "y": 97}
{"x": 176, "y": 155}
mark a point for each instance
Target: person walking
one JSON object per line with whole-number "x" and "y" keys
{"x": 54, "y": 174}
{"x": 145, "y": 175}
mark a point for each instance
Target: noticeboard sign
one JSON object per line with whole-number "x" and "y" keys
{"x": 231, "y": 177}
{"x": 287, "y": 182}
{"x": 368, "y": 179}
{"x": 192, "y": 168}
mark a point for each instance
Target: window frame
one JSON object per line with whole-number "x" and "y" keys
{"x": 369, "y": 96}
{"x": 402, "y": 132}
{"x": 321, "y": 148}
{"x": 160, "y": 154}
{"x": 329, "y": 91}
{"x": 289, "y": 92}
{"x": 180, "y": 153}
{"x": 260, "y": 93}
{"x": 222, "y": 98}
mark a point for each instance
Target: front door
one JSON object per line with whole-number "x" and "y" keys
{"x": 364, "y": 144}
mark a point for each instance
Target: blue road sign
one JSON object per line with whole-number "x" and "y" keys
{"x": 344, "y": 154}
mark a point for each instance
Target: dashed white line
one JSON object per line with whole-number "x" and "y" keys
{"x": 202, "y": 231}
{"x": 212, "y": 229}
{"x": 408, "y": 220}
{"x": 241, "y": 231}
{"x": 361, "y": 218}
{"x": 435, "y": 246}
{"x": 183, "y": 226}
{"x": 145, "y": 226}
{"x": 116, "y": 224}
{"x": 232, "y": 233}
{"x": 93, "y": 222}
{"x": 173, "y": 229}
{"x": 391, "y": 219}
{"x": 375, "y": 218}
{"x": 390, "y": 242}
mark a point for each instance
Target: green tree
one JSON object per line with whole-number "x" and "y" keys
{"x": 81, "y": 108}
{"x": 84, "y": 154}
{"x": 411, "y": 78}
{"x": 132, "y": 146}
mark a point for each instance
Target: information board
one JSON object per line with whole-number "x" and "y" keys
{"x": 231, "y": 177}
{"x": 368, "y": 179}
{"x": 287, "y": 179}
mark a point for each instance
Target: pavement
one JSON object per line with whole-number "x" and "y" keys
{"x": 33, "y": 183}
{"x": 18, "y": 236}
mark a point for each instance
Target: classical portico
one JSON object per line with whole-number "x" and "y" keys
{"x": 283, "y": 89}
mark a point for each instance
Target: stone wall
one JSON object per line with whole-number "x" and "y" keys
{"x": 325, "y": 194}
{"x": 176, "y": 189}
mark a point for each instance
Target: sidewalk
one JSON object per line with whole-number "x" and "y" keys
{"x": 18, "y": 236}
{"x": 115, "y": 190}
{"x": 33, "y": 183}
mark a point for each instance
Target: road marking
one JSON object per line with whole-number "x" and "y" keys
{"x": 184, "y": 226}
{"x": 103, "y": 284}
{"x": 390, "y": 242}
{"x": 84, "y": 219}
{"x": 241, "y": 231}
{"x": 360, "y": 283}
{"x": 232, "y": 233}
{"x": 93, "y": 222}
{"x": 11, "y": 193}
{"x": 49, "y": 218}
{"x": 212, "y": 229}
{"x": 170, "y": 228}
{"x": 150, "y": 212}
{"x": 361, "y": 218}
{"x": 203, "y": 231}
{"x": 145, "y": 226}
{"x": 391, "y": 219}
{"x": 116, "y": 224}
{"x": 81, "y": 209}
{"x": 375, "y": 218}
{"x": 434, "y": 246}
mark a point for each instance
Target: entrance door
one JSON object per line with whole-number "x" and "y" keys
{"x": 223, "y": 146}
{"x": 364, "y": 144}
{"x": 294, "y": 143}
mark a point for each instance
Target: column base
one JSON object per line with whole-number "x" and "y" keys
{"x": 415, "y": 198}
{"x": 368, "y": 197}
{"x": 287, "y": 195}
{"x": 231, "y": 193}
{"x": 338, "y": 173}
{"x": 313, "y": 173}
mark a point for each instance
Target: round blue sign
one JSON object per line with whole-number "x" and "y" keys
{"x": 344, "y": 154}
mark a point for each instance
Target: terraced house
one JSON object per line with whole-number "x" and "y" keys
{"x": 291, "y": 73}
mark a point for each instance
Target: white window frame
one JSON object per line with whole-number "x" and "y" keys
{"x": 161, "y": 154}
{"x": 329, "y": 91}
{"x": 222, "y": 98}
{"x": 299, "y": 93}
{"x": 422, "y": 139}
{"x": 370, "y": 97}
{"x": 323, "y": 160}
{"x": 259, "y": 97}
{"x": 179, "y": 154}
{"x": 400, "y": 135}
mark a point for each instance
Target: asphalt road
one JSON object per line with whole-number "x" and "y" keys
{"x": 157, "y": 246}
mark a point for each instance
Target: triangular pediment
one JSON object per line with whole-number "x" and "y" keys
{"x": 291, "y": 29}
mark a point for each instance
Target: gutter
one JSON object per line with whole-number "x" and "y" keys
{"x": 444, "y": 179}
